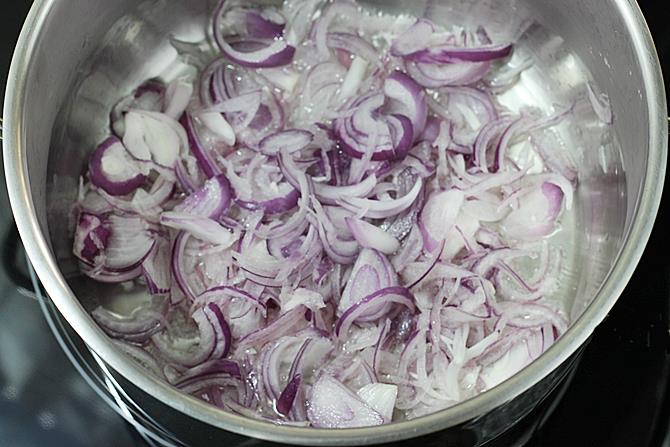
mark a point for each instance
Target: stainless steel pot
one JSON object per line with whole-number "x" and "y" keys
{"x": 75, "y": 58}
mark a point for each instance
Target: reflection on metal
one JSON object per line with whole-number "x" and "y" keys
{"x": 98, "y": 377}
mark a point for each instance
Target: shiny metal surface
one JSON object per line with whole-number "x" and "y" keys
{"x": 76, "y": 58}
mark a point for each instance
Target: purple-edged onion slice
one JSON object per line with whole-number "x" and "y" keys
{"x": 406, "y": 91}
{"x": 91, "y": 238}
{"x": 113, "y": 169}
{"x": 156, "y": 267}
{"x": 212, "y": 200}
{"x": 439, "y": 215}
{"x": 263, "y": 27}
{"x": 272, "y": 52}
{"x": 115, "y": 243}
{"x": 536, "y": 214}
{"x": 380, "y": 298}
{"x": 371, "y": 272}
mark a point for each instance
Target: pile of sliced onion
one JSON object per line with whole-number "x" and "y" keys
{"x": 338, "y": 222}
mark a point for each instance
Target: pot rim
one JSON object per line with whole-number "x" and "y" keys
{"x": 38, "y": 249}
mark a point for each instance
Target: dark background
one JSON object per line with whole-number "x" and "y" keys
{"x": 619, "y": 395}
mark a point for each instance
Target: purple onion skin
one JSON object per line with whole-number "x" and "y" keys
{"x": 100, "y": 179}
{"x": 287, "y": 397}
{"x": 258, "y": 26}
{"x": 277, "y": 205}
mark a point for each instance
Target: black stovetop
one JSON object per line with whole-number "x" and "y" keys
{"x": 618, "y": 395}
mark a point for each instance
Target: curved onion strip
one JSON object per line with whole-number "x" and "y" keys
{"x": 395, "y": 294}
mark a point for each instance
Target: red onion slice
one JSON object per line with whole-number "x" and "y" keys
{"x": 156, "y": 267}
{"x": 287, "y": 141}
{"x": 343, "y": 8}
{"x": 148, "y": 96}
{"x": 276, "y": 53}
{"x": 201, "y": 154}
{"x": 416, "y": 38}
{"x": 439, "y": 215}
{"x": 287, "y": 397}
{"x": 407, "y": 92}
{"x": 223, "y": 335}
{"x": 288, "y": 322}
{"x": 177, "y": 97}
{"x": 203, "y": 228}
{"x": 113, "y": 169}
{"x": 435, "y": 76}
{"x": 380, "y": 209}
{"x": 396, "y": 294}
{"x": 371, "y": 236}
{"x": 129, "y": 242}
{"x": 217, "y": 124}
{"x": 333, "y": 405}
{"x": 380, "y": 397}
{"x": 212, "y": 200}
{"x": 448, "y": 54}
{"x": 262, "y": 27}
{"x": 192, "y": 354}
{"x": 153, "y": 136}
{"x": 536, "y": 214}
{"x": 210, "y": 368}
{"x": 91, "y": 238}
{"x": 138, "y": 327}
{"x": 231, "y": 293}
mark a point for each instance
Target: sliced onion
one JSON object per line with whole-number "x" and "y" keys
{"x": 381, "y": 297}
{"x": 536, "y": 214}
{"x": 353, "y": 44}
{"x": 203, "y": 228}
{"x": 371, "y": 236}
{"x": 262, "y": 27}
{"x": 287, "y": 397}
{"x": 212, "y": 200}
{"x": 113, "y": 169}
{"x": 439, "y": 215}
{"x": 288, "y": 141}
{"x": 148, "y": 96}
{"x": 332, "y": 405}
{"x": 129, "y": 242}
{"x": 152, "y": 136}
{"x": 405, "y": 90}
{"x": 449, "y": 54}
{"x": 202, "y": 156}
{"x": 274, "y": 54}
{"x": 177, "y": 97}
{"x": 231, "y": 293}
{"x": 380, "y": 397}
{"x": 379, "y": 209}
{"x": 156, "y": 267}
{"x": 91, "y": 239}
{"x": 416, "y": 38}
{"x": 435, "y": 76}
{"x": 217, "y": 124}
{"x": 284, "y": 324}
{"x": 138, "y": 327}
{"x": 194, "y": 353}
